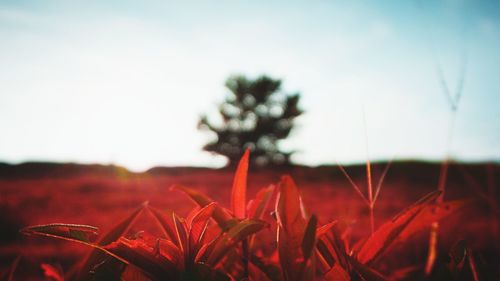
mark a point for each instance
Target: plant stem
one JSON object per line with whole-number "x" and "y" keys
{"x": 372, "y": 220}
{"x": 370, "y": 195}
{"x": 443, "y": 175}
{"x": 244, "y": 247}
{"x": 432, "y": 252}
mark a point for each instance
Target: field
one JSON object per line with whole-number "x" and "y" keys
{"x": 41, "y": 193}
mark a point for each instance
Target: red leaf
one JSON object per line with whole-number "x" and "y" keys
{"x": 389, "y": 232}
{"x": 165, "y": 223}
{"x": 79, "y": 232}
{"x": 220, "y": 215}
{"x": 199, "y": 221}
{"x": 206, "y": 249}
{"x": 73, "y": 233}
{"x": 332, "y": 250}
{"x": 144, "y": 257}
{"x": 337, "y": 273}
{"x": 52, "y": 272}
{"x": 170, "y": 251}
{"x": 259, "y": 205}
{"x": 198, "y": 227}
{"x": 288, "y": 211}
{"x": 309, "y": 240}
{"x": 117, "y": 231}
{"x": 322, "y": 230}
{"x": 433, "y": 213}
{"x": 238, "y": 194}
{"x": 237, "y": 233}
{"x": 182, "y": 236}
{"x": 291, "y": 228}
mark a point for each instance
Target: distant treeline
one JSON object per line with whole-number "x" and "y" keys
{"x": 419, "y": 171}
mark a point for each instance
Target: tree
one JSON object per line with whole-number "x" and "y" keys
{"x": 256, "y": 114}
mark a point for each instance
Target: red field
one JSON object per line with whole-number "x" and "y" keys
{"x": 101, "y": 196}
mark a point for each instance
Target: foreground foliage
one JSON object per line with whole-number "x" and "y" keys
{"x": 239, "y": 243}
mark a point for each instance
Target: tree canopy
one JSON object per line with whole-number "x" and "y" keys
{"x": 256, "y": 114}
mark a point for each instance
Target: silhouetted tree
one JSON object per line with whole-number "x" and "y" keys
{"x": 256, "y": 114}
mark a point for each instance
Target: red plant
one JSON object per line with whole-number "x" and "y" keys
{"x": 216, "y": 243}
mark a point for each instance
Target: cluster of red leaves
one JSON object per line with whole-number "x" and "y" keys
{"x": 215, "y": 243}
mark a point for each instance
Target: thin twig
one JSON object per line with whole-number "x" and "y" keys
{"x": 369, "y": 177}
{"x": 353, "y": 184}
{"x": 381, "y": 181}
{"x": 445, "y": 165}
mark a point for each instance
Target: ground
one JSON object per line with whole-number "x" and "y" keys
{"x": 40, "y": 193}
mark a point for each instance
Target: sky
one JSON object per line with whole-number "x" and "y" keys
{"x": 124, "y": 82}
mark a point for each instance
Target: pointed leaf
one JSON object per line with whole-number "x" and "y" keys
{"x": 291, "y": 227}
{"x": 114, "y": 234}
{"x": 206, "y": 249}
{"x": 433, "y": 213}
{"x": 233, "y": 236}
{"x": 191, "y": 214}
{"x": 239, "y": 190}
{"x": 200, "y": 219}
{"x": 220, "y": 215}
{"x": 78, "y": 232}
{"x": 198, "y": 227}
{"x": 165, "y": 222}
{"x": 63, "y": 231}
{"x": 170, "y": 251}
{"x": 322, "y": 230}
{"x": 181, "y": 232}
{"x": 144, "y": 257}
{"x": 384, "y": 237}
{"x": 122, "y": 228}
{"x": 309, "y": 240}
{"x": 288, "y": 207}
{"x": 259, "y": 205}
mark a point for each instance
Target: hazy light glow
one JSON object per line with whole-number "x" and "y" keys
{"x": 124, "y": 83}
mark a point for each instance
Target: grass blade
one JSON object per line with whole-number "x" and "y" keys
{"x": 353, "y": 184}
{"x": 381, "y": 181}
{"x": 64, "y": 232}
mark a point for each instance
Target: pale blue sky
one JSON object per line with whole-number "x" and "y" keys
{"x": 124, "y": 81}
